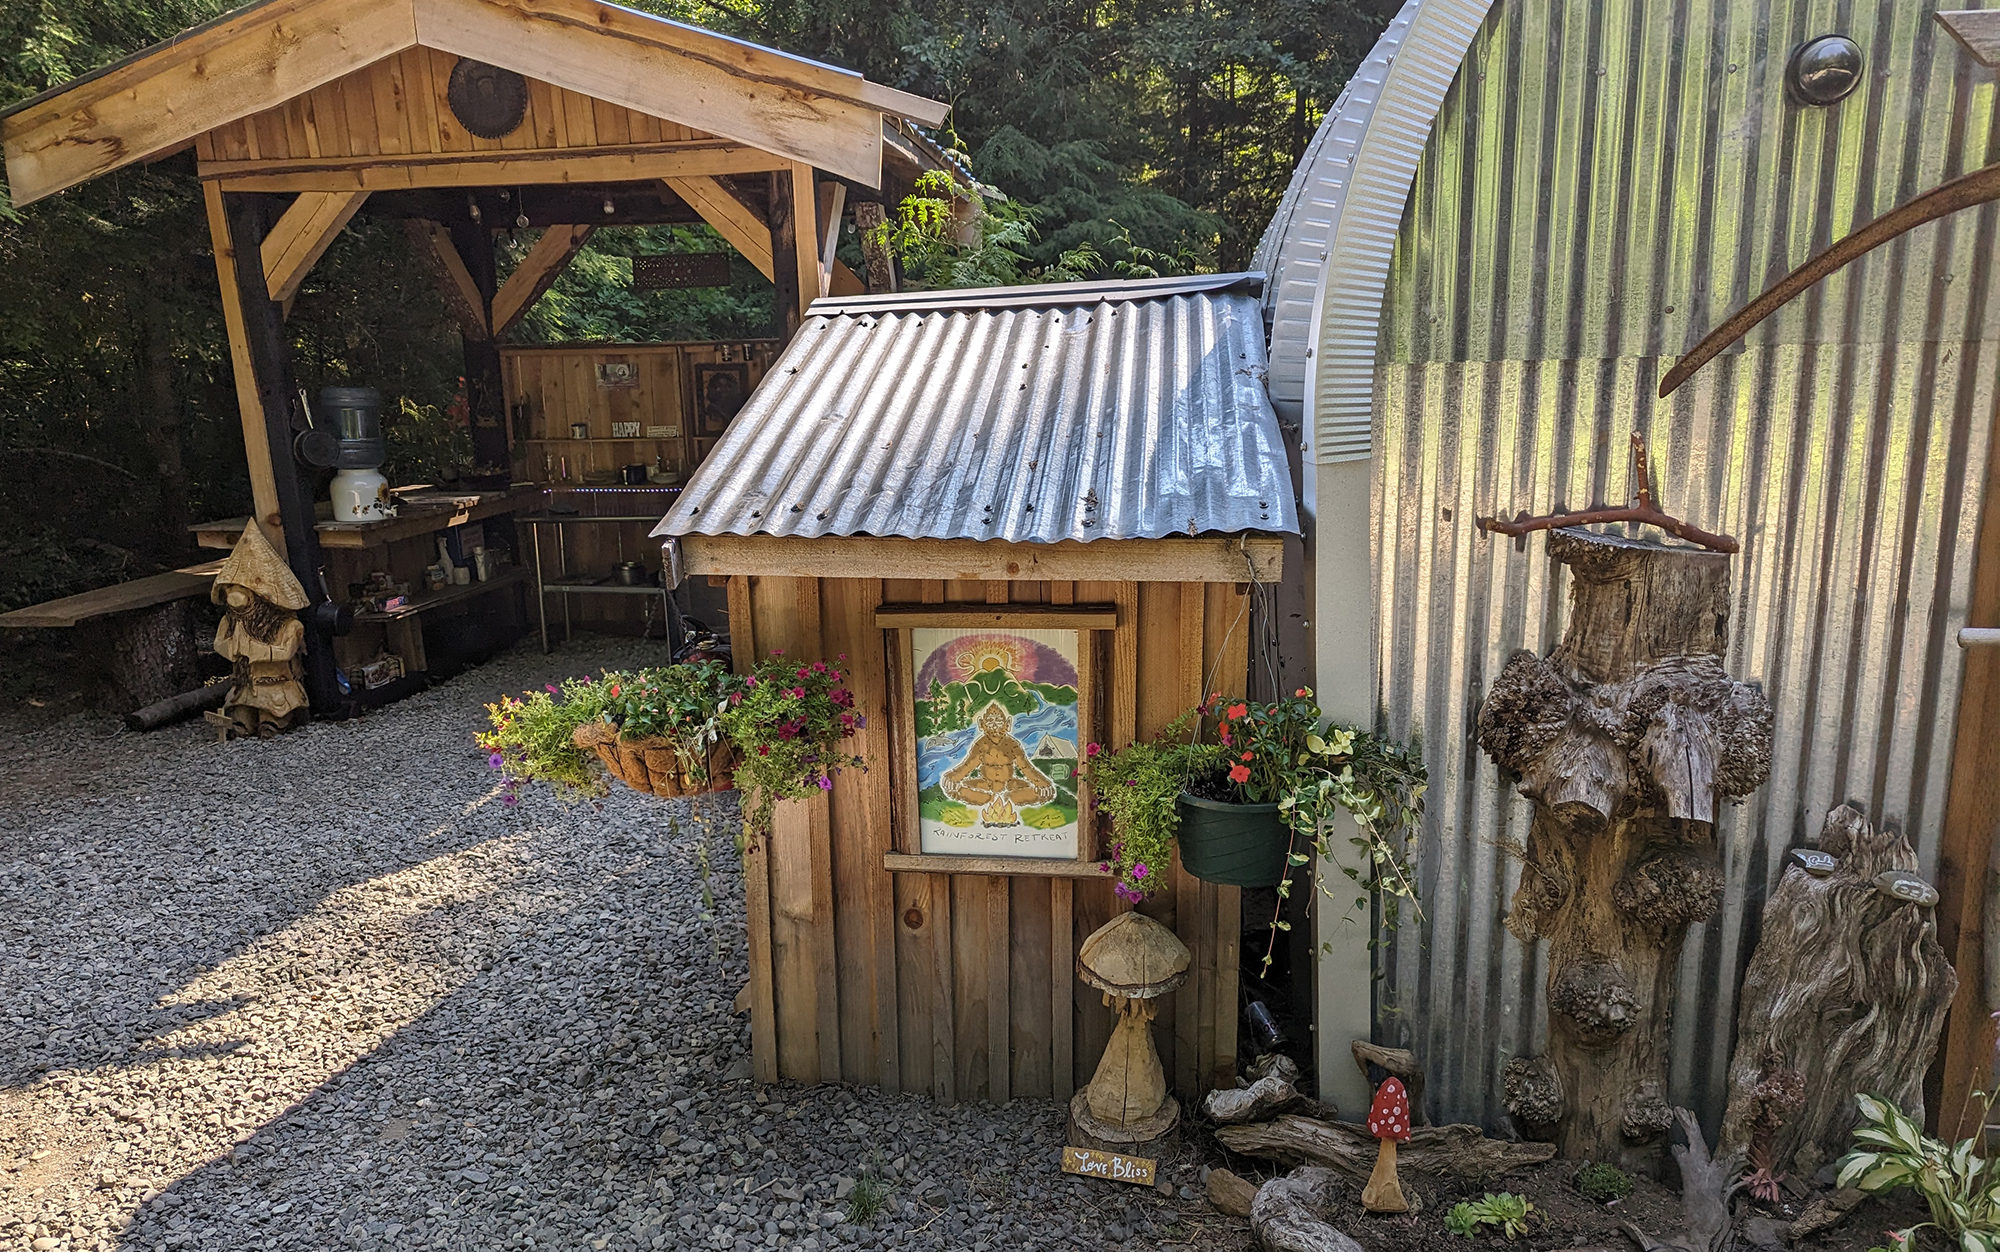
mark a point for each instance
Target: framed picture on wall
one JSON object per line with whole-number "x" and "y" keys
{"x": 993, "y": 717}
{"x": 719, "y": 393}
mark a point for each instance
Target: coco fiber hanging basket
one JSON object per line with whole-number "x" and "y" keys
{"x": 651, "y": 765}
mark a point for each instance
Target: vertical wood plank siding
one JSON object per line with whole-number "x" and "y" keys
{"x": 964, "y": 986}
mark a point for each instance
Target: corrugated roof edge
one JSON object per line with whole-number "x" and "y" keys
{"x": 1044, "y": 295}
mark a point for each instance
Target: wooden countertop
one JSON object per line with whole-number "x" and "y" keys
{"x": 422, "y": 512}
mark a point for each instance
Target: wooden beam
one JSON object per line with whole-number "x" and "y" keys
{"x": 249, "y": 405}
{"x": 461, "y": 293}
{"x": 1965, "y": 848}
{"x": 734, "y": 220}
{"x": 691, "y": 76}
{"x": 485, "y": 389}
{"x": 162, "y": 100}
{"x": 805, "y": 235}
{"x": 1210, "y": 559}
{"x": 831, "y": 200}
{"x": 1977, "y": 31}
{"x": 785, "y": 270}
{"x": 301, "y": 237}
{"x": 536, "y": 273}
{"x": 498, "y": 168}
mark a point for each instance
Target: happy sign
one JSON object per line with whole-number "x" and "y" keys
{"x": 1094, "y": 1164}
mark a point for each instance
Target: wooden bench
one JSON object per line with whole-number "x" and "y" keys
{"x": 139, "y": 638}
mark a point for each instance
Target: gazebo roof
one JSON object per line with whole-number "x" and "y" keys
{"x": 260, "y": 56}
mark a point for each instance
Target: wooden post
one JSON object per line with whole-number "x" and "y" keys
{"x": 869, "y": 216}
{"x": 786, "y": 275}
{"x": 1627, "y": 738}
{"x": 250, "y": 405}
{"x": 263, "y": 351}
{"x": 1965, "y": 877}
{"x": 485, "y": 395}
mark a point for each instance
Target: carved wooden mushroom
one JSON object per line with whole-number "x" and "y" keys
{"x": 1133, "y": 960}
{"x": 1388, "y": 1121}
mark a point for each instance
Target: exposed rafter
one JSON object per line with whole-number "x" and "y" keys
{"x": 159, "y": 101}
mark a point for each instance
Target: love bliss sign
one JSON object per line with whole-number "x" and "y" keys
{"x": 1094, "y": 1164}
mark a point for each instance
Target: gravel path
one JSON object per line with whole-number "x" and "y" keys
{"x": 329, "y": 992}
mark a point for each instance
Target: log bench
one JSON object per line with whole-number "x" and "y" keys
{"x": 140, "y": 640}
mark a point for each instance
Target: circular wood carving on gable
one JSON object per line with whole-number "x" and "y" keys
{"x": 487, "y": 100}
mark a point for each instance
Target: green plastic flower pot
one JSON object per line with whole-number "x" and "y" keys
{"x": 1234, "y": 845}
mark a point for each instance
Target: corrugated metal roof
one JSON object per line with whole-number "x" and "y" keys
{"x": 1127, "y": 410}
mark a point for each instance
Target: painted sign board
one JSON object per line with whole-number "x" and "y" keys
{"x": 998, "y": 740}
{"x": 1091, "y": 1163}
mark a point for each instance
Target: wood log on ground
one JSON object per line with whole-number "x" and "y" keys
{"x": 1399, "y": 1063}
{"x": 1456, "y": 1151}
{"x": 174, "y": 708}
{"x": 1230, "y": 1192}
{"x": 1848, "y": 985}
{"x": 1259, "y": 1102}
{"x": 1295, "y": 1213}
{"x": 1626, "y": 738}
{"x": 1707, "y": 1183}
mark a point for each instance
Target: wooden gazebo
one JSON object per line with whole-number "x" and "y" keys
{"x": 465, "y": 118}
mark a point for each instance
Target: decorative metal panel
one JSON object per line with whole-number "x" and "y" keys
{"x": 1604, "y": 183}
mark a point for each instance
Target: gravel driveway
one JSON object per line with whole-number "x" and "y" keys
{"x": 329, "y": 992}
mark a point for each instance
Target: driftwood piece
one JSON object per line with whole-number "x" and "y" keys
{"x": 1457, "y": 1151}
{"x": 1627, "y": 738}
{"x": 1825, "y": 1212}
{"x": 1259, "y": 1102}
{"x": 1707, "y": 1183}
{"x": 1849, "y": 985}
{"x": 1273, "y": 1063}
{"x": 1398, "y": 1063}
{"x": 1230, "y": 1192}
{"x": 1295, "y": 1213}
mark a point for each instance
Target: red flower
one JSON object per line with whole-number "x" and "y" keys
{"x": 1248, "y": 756}
{"x": 614, "y": 689}
{"x": 1239, "y": 773}
{"x": 1237, "y": 710}
{"x": 1093, "y": 750}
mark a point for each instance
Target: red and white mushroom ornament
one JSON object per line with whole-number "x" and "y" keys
{"x": 1389, "y": 1121}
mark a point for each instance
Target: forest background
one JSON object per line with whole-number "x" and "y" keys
{"x": 1126, "y": 139}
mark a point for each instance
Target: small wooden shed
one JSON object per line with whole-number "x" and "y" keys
{"x": 1095, "y": 462}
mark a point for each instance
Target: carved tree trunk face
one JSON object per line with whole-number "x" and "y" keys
{"x": 1847, "y": 990}
{"x": 1626, "y": 739}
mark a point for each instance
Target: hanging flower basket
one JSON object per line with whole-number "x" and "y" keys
{"x": 651, "y": 764}
{"x": 1235, "y": 845}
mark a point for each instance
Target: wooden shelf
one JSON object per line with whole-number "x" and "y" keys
{"x": 138, "y": 593}
{"x": 595, "y": 439}
{"x": 424, "y": 601}
{"x": 420, "y": 515}
{"x": 939, "y": 863}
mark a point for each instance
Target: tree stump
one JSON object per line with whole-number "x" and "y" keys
{"x": 1848, "y": 987}
{"x": 141, "y": 656}
{"x": 1626, "y": 739}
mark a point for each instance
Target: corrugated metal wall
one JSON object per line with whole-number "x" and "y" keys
{"x": 1606, "y": 182}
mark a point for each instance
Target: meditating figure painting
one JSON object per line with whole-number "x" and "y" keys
{"x": 996, "y": 741}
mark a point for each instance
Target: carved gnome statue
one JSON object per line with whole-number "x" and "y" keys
{"x": 262, "y": 637}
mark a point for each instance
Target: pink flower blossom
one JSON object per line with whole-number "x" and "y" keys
{"x": 1139, "y": 870}
{"x": 825, "y": 783}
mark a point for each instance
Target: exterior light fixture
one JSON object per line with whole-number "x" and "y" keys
{"x": 1824, "y": 70}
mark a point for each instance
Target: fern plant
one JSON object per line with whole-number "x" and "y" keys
{"x": 1956, "y": 1183}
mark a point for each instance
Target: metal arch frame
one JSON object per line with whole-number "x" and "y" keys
{"x": 1293, "y": 251}
{"x": 1347, "y": 311}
